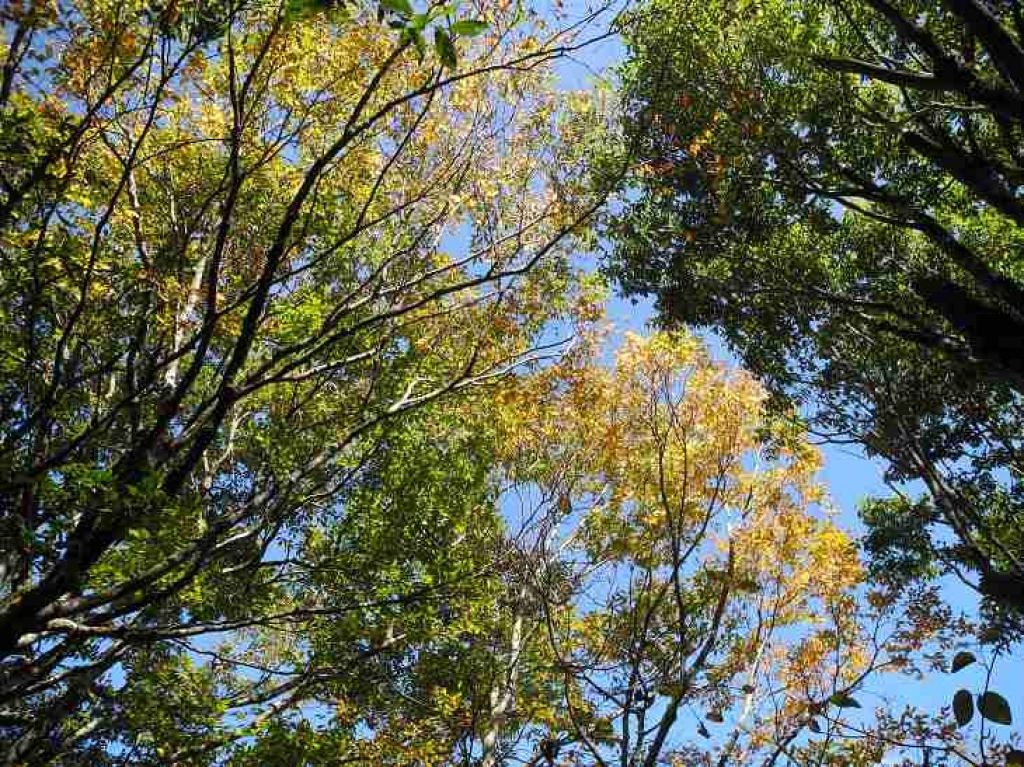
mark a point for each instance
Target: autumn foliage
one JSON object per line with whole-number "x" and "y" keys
{"x": 316, "y": 446}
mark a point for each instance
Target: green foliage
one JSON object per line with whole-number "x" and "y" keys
{"x": 899, "y": 540}
{"x": 412, "y": 26}
{"x": 803, "y": 187}
{"x": 401, "y": 7}
{"x": 445, "y": 47}
{"x": 842, "y": 700}
{"x": 469, "y": 27}
{"x": 276, "y": 284}
{"x": 246, "y": 505}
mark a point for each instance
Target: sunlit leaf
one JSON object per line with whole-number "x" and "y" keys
{"x": 469, "y": 27}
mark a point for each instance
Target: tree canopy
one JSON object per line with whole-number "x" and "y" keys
{"x": 230, "y": 277}
{"x": 316, "y": 445}
{"x": 835, "y": 187}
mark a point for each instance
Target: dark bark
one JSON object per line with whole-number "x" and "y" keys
{"x": 992, "y": 334}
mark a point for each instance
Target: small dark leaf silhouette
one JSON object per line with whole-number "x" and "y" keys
{"x": 962, "y": 660}
{"x": 843, "y": 700}
{"x": 815, "y": 727}
{"x": 715, "y": 716}
{"x": 994, "y": 707}
{"x": 963, "y": 707}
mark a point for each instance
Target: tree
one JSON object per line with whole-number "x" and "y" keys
{"x": 836, "y": 188}
{"x": 242, "y": 244}
{"x": 682, "y": 578}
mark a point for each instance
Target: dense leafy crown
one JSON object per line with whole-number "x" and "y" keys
{"x": 836, "y": 187}
{"x": 243, "y": 245}
{"x": 310, "y": 450}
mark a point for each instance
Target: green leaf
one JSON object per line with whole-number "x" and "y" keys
{"x": 296, "y": 9}
{"x": 419, "y": 21}
{"x": 962, "y": 660}
{"x": 602, "y": 730}
{"x": 843, "y": 700}
{"x": 469, "y": 27}
{"x": 445, "y": 48}
{"x": 963, "y": 707}
{"x": 417, "y": 40}
{"x": 994, "y": 707}
{"x": 444, "y": 10}
{"x": 401, "y": 7}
